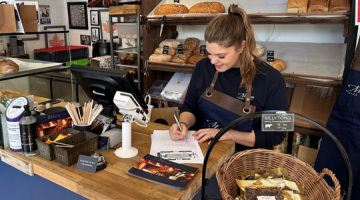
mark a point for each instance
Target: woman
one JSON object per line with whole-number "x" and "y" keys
{"x": 230, "y": 83}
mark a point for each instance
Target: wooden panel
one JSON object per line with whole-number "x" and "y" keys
{"x": 124, "y": 9}
{"x": 17, "y": 163}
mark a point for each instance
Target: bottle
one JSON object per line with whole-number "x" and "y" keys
{"x": 28, "y": 133}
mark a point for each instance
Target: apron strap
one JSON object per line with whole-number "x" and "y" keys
{"x": 247, "y": 108}
{"x": 211, "y": 88}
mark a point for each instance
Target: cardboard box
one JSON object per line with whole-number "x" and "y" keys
{"x": 7, "y": 18}
{"x": 28, "y": 17}
{"x": 307, "y": 155}
{"x": 315, "y": 102}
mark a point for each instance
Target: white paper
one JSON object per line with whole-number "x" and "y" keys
{"x": 180, "y": 151}
{"x": 266, "y": 198}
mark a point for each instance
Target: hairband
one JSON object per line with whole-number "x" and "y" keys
{"x": 236, "y": 13}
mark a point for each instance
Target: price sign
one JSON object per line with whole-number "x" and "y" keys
{"x": 270, "y": 55}
{"x": 176, "y": 1}
{"x": 202, "y": 50}
{"x": 166, "y": 50}
{"x": 180, "y": 49}
{"x": 283, "y": 122}
{"x": 87, "y": 163}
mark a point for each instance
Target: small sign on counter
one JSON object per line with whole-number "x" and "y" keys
{"x": 283, "y": 122}
{"x": 87, "y": 163}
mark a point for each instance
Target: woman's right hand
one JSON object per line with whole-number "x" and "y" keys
{"x": 175, "y": 132}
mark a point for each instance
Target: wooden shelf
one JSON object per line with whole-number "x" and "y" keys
{"x": 258, "y": 18}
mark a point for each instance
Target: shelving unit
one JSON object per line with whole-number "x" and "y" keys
{"x": 134, "y": 50}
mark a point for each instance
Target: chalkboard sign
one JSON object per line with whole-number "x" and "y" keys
{"x": 166, "y": 50}
{"x": 270, "y": 56}
{"x": 202, "y": 50}
{"x": 180, "y": 49}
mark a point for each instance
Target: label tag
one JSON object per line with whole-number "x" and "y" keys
{"x": 280, "y": 122}
{"x": 266, "y": 198}
{"x": 87, "y": 163}
{"x": 180, "y": 49}
{"x": 202, "y": 50}
{"x": 270, "y": 55}
{"x": 165, "y": 50}
{"x": 103, "y": 143}
{"x": 176, "y": 1}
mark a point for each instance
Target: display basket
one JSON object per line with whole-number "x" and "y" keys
{"x": 316, "y": 188}
{"x": 298, "y": 171}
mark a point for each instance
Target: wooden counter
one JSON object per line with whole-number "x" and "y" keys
{"x": 113, "y": 182}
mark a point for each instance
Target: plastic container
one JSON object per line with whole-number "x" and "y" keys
{"x": 47, "y": 150}
{"x": 160, "y": 84}
{"x": 127, "y": 30}
{"x": 85, "y": 144}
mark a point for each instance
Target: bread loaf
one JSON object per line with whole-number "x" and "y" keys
{"x": 171, "y": 52}
{"x": 191, "y": 44}
{"x": 207, "y": 7}
{"x": 180, "y": 58}
{"x": 318, "y": 5}
{"x": 173, "y": 44}
{"x": 297, "y": 6}
{"x": 171, "y": 9}
{"x": 339, "y": 5}
{"x": 259, "y": 51}
{"x": 197, "y": 52}
{"x": 8, "y": 66}
{"x": 194, "y": 59}
{"x": 277, "y": 64}
{"x": 160, "y": 58}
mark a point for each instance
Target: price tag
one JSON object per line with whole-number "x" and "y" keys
{"x": 202, "y": 50}
{"x": 87, "y": 163}
{"x": 282, "y": 122}
{"x": 180, "y": 49}
{"x": 266, "y": 198}
{"x": 270, "y": 55}
{"x": 176, "y": 1}
{"x": 166, "y": 50}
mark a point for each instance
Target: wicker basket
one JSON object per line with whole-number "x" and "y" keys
{"x": 316, "y": 187}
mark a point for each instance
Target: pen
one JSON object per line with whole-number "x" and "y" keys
{"x": 178, "y": 123}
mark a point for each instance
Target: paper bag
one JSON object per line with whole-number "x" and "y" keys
{"x": 28, "y": 17}
{"x": 7, "y": 18}
{"x": 164, "y": 114}
{"x": 307, "y": 155}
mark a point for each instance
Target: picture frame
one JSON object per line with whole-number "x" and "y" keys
{"x": 95, "y": 34}
{"x": 77, "y": 15}
{"x": 104, "y": 25}
{"x": 94, "y": 17}
{"x": 85, "y": 40}
{"x": 55, "y": 39}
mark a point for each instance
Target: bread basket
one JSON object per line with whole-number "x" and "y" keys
{"x": 316, "y": 188}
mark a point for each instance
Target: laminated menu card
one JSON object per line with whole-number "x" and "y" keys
{"x": 163, "y": 172}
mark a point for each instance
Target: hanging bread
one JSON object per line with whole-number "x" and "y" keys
{"x": 207, "y": 7}
{"x": 277, "y": 64}
{"x": 297, "y": 6}
{"x": 259, "y": 50}
{"x": 191, "y": 43}
{"x": 171, "y": 9}
{"x": 8, "y": 66}
{"x": 339, "y": 5}
{"x": 171, "y": 52}
{"x": 160, "y": 58}
{"x": 318, "y": 5}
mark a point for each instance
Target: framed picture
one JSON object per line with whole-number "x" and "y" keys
{"x": 55, "y": 39}
{"x": 95, "y": 34}
{"x": 77, "y": 13}
{"x": 94, "y": 17}
{"x": 85, "y": 40}
{"x": 105, "y": 25}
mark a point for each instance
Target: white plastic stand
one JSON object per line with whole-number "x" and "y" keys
{"x": 126, "y": 151}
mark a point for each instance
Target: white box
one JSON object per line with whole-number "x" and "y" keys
{"x": 115, "y": 136}
{"x": 177, "y": 87}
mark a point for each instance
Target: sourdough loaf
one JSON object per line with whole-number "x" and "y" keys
{"x": 8, "y": 66}
{"x": 207, "y": 7}
{"x": 297, "y": 6}
{"x": 318, "y": 5}
{"x": 171, "y": 9}
{"x": 339, "y": 5}
{"x": 277, "y": 64}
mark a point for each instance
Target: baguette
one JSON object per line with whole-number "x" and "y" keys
{"x": 339, "y": 5}
{"x": 207, "y": 7}
{"x": 160, "y": 58}
{"x": 171, "y": 9}
{"x": 297, "y": 6}
{"x": 318, "y": 5}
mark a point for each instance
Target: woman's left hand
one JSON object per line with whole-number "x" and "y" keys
{"x": 208, "y": 134}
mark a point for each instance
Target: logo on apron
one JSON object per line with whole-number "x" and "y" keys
{"x": 212, "y": 124}
{"x": 353, "y": 90}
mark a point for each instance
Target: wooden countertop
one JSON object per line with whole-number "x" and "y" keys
{"x": 113, "y": 182}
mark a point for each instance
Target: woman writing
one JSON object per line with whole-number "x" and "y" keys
{"x": 230, "y": 83}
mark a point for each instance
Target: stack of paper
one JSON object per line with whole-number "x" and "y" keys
{"x": 180, "y": 151}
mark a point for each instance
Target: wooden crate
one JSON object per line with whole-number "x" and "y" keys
{"x": 124, "y": 9}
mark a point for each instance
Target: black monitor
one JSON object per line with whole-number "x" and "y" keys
{"x": 101, "y": 85}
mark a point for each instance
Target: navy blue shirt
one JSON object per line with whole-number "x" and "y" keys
{"x": 268, "y": 93}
